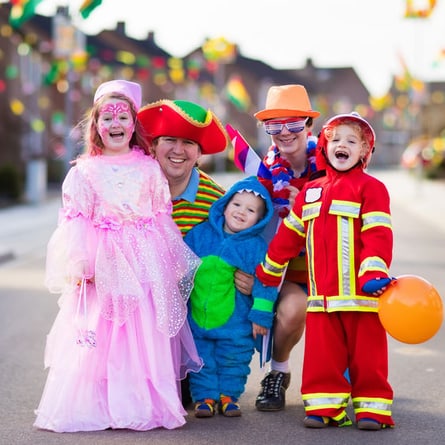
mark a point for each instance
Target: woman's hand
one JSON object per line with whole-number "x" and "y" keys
{"x": 243, "y": 282}
{"x": 293, "y": 192}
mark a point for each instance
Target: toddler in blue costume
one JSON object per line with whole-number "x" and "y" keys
{"x": 224, "y": 321}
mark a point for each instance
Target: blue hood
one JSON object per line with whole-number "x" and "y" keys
{"x": 216, "y": 217}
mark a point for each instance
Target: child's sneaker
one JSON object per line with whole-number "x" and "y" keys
{"x": 229, "y": 406}
{"x": 323, "y": 422}
{"x": 316, "y": 422}
{"x": 205, "y": 408}
{"x": 370, "y": 424}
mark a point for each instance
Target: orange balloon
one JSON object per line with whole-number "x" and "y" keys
{"x": 411, "y": 309}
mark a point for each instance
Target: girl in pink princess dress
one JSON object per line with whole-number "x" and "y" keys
{"x": 120, "y": 342}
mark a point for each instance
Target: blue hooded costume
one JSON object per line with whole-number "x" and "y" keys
{"x": 220, "y": 316}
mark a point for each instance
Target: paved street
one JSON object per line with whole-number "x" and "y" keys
{"x": 416, "y": 371}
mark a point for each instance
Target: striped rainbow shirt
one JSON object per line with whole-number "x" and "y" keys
{"x": 187, "y": 214}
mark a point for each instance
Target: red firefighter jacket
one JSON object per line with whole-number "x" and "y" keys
{"x": 343, "y": 219}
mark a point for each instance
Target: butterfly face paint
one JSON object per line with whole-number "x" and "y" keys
{"x": 115, "y": 122}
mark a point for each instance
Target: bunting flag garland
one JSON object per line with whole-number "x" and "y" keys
{"x": 88, "y": 6}
{"x": 219, "y": 50}
{"x": 439, "y": 59}
{"x": 244, "y": 156}
{"x": 419, "y": 9}
{"x": 406, "y": 81}
{"x": 22, "y": 11}
{"x": 379, "y": 103}
{"x": 237, "y": 93}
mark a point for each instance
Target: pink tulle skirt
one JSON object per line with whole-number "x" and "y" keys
{"x": 121, "y": 343}
{"x": 103, "y": 374}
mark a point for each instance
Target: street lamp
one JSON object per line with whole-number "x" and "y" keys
{"x": 68, "y": 41}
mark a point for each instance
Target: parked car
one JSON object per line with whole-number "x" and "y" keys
{"x": 426, "y": 156}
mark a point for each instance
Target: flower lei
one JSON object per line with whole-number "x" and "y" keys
{"x": 282, "y": 174}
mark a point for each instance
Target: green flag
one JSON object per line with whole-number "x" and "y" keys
{"x": 88, "y": 6}
{"x": 21, "y": 11}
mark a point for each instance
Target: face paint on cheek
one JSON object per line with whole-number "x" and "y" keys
{"x": 102, "y": 129}
{"x": 129, "y": 131}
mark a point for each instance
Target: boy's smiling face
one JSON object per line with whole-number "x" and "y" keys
{"x": 243, "y": 210}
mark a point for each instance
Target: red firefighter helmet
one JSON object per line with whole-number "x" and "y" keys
{"x": 368, "y": 133}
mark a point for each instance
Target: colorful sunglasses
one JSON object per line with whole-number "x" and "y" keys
{"x": 274, "y": 127}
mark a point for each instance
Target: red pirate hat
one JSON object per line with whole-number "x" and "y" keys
{"x": 186, "y": 120}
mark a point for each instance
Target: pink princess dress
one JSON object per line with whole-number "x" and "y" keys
{"x": 120, "y": 341}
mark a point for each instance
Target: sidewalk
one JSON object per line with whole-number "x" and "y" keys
{"x": 25, "y": 229}
{"x": 421, "y": 197}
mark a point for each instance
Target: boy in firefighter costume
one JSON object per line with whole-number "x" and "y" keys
{"x": 223, "y": 320}
{"x": 343, "y": 219}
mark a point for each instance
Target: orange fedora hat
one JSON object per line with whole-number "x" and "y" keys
{"x": 287, "y": 101}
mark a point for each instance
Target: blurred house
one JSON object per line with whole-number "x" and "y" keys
{"x": 50, "y": 71}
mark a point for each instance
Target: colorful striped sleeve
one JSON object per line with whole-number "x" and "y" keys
{"x": 187, "y": 214}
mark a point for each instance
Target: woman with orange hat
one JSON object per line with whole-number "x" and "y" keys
{"x": 343, "y": 219}
{"x": 287, "y": 118}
